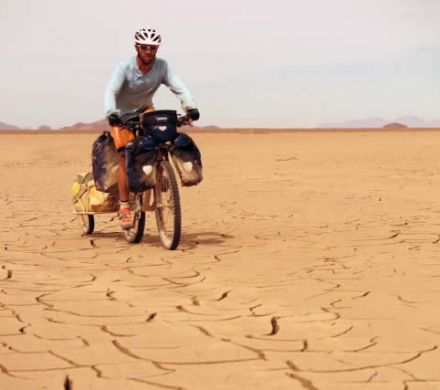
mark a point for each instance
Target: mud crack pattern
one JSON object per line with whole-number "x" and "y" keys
{"x": 313, "y": 264}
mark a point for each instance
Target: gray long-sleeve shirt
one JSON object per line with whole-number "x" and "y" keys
{"x": 129, "y": 89}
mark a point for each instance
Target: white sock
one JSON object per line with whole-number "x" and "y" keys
{"x": 124, "y": 205}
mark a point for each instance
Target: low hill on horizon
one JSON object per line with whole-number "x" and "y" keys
{"x": 100, "y": 124}
{"x": 395, "y": 125}
{"x": 378, "y": 122}
{"x": 6, "y": 126}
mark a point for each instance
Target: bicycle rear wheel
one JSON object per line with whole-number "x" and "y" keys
{"x": 135, "y": 233}
{"x": 167, "y": 206}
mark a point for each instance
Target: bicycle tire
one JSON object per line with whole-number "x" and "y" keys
{"x": 167, "y": 199}
{"x": 134, "y": 234}
{"x": 87, "y": 222}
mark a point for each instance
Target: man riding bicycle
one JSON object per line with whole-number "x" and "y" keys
{"x": 132, "y": 86}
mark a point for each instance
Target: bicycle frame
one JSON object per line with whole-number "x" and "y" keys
{"x": 162, "y": 154}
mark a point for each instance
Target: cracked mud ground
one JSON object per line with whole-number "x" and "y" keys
{"x": 308, "y": 261}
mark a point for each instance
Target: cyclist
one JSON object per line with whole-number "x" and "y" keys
{"x": 131, "y": 87}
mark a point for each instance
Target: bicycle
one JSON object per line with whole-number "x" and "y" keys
{"x": 164, "y": 197}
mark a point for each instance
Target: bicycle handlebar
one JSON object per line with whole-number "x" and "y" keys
{"x": 133, "y": 120}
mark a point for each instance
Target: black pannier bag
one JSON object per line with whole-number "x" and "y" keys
{"x": 160, "y": 124}
{"x": 187, "y": 160}
{"x": 105, "y": 163}
{"x": 141, "y": 168}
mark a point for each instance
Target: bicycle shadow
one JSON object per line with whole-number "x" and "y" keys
{"x": 190, "y": 241}
{"x": 106, "y": 235}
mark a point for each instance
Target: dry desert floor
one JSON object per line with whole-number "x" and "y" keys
{"x": 307, "y": 261}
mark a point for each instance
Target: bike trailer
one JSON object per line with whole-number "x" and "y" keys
{"x": 141, "y": 163}
{"x": 187, "y": 160}
{"x": 160, "y": 124}
{"x": 88, "y": 199}
{"x": 105, "y": 163}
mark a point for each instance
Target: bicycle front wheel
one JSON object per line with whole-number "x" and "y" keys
{"x": 167, "y": 206}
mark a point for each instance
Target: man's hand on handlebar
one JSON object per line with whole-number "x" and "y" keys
{"x": 114, "y": 120}
{"x": 192, "y": 114}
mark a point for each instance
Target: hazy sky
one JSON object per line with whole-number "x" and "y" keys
{"x": 278, "y": 63}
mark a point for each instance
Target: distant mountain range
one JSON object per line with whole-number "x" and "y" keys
{"x": 377, "y": 122}
{"x": 97, "y": 125}
{"x": 373, "y": 122}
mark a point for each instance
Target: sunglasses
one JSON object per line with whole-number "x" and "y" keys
{"x": 147, "y": 47}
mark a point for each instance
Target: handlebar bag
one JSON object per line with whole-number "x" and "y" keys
{"x": 187, "y": 159}
{"x": 141, "y": 163}
{"x": 105, "y": 163}
{"x": 160, "y": 124}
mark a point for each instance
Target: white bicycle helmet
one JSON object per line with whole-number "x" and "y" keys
{"x": 147, "y": 36}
